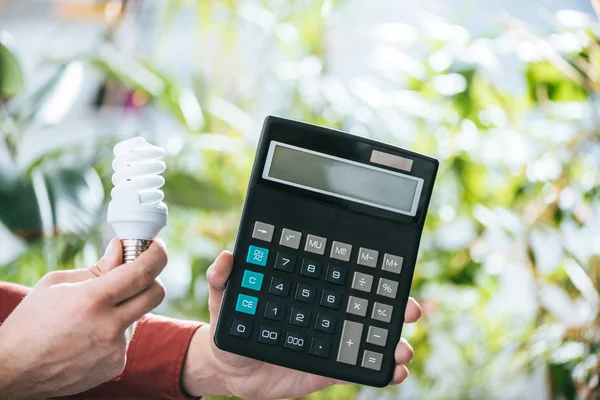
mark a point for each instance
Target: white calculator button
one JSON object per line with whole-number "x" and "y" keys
{"x": 341, "y": 251}
{"x": 362, "y": 282}
{"x": 372, "y": 360}
{"x": 387, "y": 288}
{"x": 367, "y": 257}
{"x": 290, "y": 238}
{"x": 357, "y": 306}
{"x": 315, "y": 244}
{"x": 382, "y": 312}
{"x": 263, "y": 231}
{"x": 392, "y": 263}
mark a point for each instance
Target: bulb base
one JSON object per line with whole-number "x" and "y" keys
{"x": 132, "y": 248}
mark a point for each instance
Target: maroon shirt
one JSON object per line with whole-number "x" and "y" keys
{"x": 154, "y": 358}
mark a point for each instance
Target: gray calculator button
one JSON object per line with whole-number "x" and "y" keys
{"x": 392, "y": 263}
{"x": 372, "y": 360}
{"x": 290, "y": 238}
{"x": 382, "y": 312}
{"x": 387, "y": 288}
{"x": 315, "y": 244}
{"x": 350, "y": 342}
{"x": 367, "y": 257}
{"x": 377, "y": 336}
{"x": 341, "y": 251}
{"x": 362, "y": 282}
{"x": 263, "y": 231}
{"x": 357, "y": 306}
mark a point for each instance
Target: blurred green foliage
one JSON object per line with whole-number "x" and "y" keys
{"x": 509, "y": 269}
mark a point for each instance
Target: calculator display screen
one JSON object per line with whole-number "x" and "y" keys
{"x": 342, "y": 178}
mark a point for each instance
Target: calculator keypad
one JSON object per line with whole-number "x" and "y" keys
{"x": 268, "y": 335}
{"x": 274, "y": 311}
{"x": 311, "y": 269}
{"x": 303, "y": 317}
{"x": 367, "y": 257}
{"x": 240, "y": 329}
{"x": 290, "y": 238}
{"x": 263, "y": 231}
{"x": 377, "y": 336}
{"x": 280, "y": 287}
{"x": 357, "y": 306}
{"x": 387, "y": 288}
{"x": 341, "y": 251}
{"x": 300, "y": 317}
{"x": 305, "y": 293}
{"x": 362, "y": 282}
{"x": 335, "y": 274}
{"x": 315, "y": 244}
{"x": 285, "y": 262}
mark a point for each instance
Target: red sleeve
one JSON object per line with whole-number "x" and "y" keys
{"x": 154, "y": 359}
{"x": 10, "y": 297}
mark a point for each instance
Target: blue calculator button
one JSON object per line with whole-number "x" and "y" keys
{"x": 252, "y": 280}
{"x": 257, "y": 255}
{"x": 246, "y": 304}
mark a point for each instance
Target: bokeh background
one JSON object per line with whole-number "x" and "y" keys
{"x": 504, "y": 93}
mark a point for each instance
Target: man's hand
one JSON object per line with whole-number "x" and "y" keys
{"x": 68, "y": 334}
{"x": 211, "y": 371}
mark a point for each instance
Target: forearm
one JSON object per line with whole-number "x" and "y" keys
{"x": 202, "y": 373}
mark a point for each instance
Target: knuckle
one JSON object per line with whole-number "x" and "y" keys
{"x": 51, "y": 278}
{"x": 160, "y": 292}
{"x": 145, "y": 277}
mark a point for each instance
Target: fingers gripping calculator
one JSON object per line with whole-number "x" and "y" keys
{"x": 325, "y": 252}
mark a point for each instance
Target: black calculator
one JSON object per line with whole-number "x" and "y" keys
{"x": 325, "y": 252}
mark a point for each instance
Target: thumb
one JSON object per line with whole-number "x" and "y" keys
{"x": 217, "y": 275}
{"x": 112, "y": 258}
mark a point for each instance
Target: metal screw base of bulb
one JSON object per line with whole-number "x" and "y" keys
{"x": 132, "y": 248}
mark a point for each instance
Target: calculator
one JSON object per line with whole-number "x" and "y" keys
{"x": 325, "y": 252}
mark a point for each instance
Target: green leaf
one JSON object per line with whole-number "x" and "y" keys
{"x": 75, "y": 197}
{"x": 184, "y": 190}
{"x": 19, "y": 210}
{"x": 546, "y": 81}
{"x": 11, "y": 75}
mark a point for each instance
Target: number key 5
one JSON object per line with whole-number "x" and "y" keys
{"x": 305, "y": 293}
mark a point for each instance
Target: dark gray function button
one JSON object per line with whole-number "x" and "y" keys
{"x": 367, "y": 257}
{"x": 387, "y": 288}
{"x": 263, "y": 231}
{"x": 357, "y": 306}
{"x": 349, "y": 342}
{"x": 290, "y": 238}
{"x": 341, "y": 251}
{"x": 372, "y": 360}
{"x": 362, "y": 282}
{"x": 377, "y": 336}
{"x": 382, "y": 312}
{"x": 315, "y": 244}
{"x": 392, "y": 263}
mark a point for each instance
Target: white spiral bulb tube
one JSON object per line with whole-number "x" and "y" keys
{"x": 137, "y": 212}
